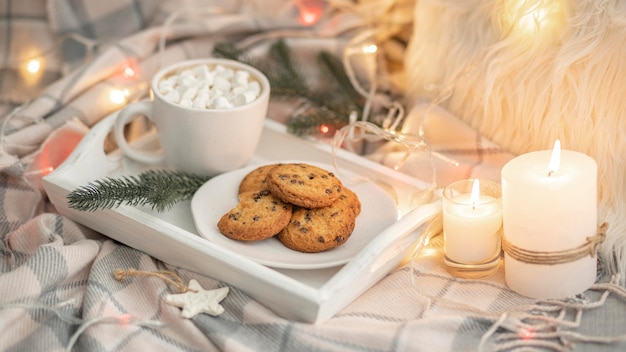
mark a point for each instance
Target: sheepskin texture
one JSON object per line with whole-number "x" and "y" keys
{"x": 524, "y": 83}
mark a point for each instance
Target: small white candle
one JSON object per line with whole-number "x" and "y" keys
{"x": 548, "y": 207}
{"x": 471, "y": 225}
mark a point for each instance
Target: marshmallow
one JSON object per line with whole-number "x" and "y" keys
{"x": 250, "y": 96}
{"x": 203, "y": 93}
{"x": 173, "y": 79}
{"x": 203, "y": 83}
{"x": 200, "y": 102}
{"x": 241, "y": 78}
{"x": 244, "y": 98}
{"x": 201, "y": 72}
{"x": 165, "y": 87}
{"x": 173, "y": 96}
{"x": 185, "y": 73}
{"x": 186, "y": 78}
{"x": 255, "y": 87}
{"x": 224, "y": 72}
{"x": 237, "y": 90}
{"x": 189, "y": 93}
{"x": 206, "y": 87}
{"x": 221, "y": 84}
{"x": 221, "y": 102}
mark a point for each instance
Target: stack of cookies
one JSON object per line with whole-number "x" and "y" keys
{"x": 306, "y": 207}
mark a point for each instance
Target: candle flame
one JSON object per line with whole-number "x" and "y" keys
{"x": 555, "y": 159}
{"x": 475, "y": 195}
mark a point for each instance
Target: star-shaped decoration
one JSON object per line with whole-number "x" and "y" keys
{"x": 198, "y": 300}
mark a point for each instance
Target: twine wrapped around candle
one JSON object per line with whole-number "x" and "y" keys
{"x": 551, "y": 258}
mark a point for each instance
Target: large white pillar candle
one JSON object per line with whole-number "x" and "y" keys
{"x": 549, "y": 209}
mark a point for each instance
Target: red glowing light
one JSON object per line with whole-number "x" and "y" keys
{"x": 308, "y": 18}
{"x": 47, "y": 170}
{"x": 310, "y": 11}
{"x": 324, "y": 129}
{"x": 55, "y": 150}
{"x": 129, "y": 70}
{"x": 526, "y": 334}
{"x": 124, "y": 319}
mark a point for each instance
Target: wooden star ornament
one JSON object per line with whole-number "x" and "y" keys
{"x": 198, "y": 300}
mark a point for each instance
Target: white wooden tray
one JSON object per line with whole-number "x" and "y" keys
{"x": 312, "y": 295}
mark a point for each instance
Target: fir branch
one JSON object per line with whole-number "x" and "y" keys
{"x": 287, "y": 78}
{"x": 228, "y": 51}
{"x": 329, "y": 104}
{"x": 281, "y": 53}
{"x": 160, "y": 189}
{"x": 309, "y": 122}
{"x": 333, "y": 67}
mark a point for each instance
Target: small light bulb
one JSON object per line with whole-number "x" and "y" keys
{"x": 125, "y": 319}
{"x": 129, "y": 72}
{"x": 526, "y": 334}
{"x": 310, "y": 11}
{"x": 533, "y": 17}
{"x": 118, "y": 96}
{"x": 33, "y": 66}
{"x": 369, "y": 49}
{"x": 308, "y": 18}
{"x": 324, "y": 129}
{"x": 428, "y": 252}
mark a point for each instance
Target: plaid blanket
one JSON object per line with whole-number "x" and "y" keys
{"x": 57, "y": 288}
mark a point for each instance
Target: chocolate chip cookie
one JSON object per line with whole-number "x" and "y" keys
{"x": 304, "y": 185}
{"x": 319, "y": 229}
{"x": 349, "y": 199}
{"x": 257, "y": 216}
{"x": 255, "y": 179}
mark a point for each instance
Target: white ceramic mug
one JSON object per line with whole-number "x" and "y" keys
{"x": 205, "y": 141}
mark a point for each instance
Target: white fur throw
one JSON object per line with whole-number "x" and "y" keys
{"x": 523, "y": 88}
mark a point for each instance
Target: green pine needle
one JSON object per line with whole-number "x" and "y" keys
{"x": 160, "y": 189}
{"x": 333, "y": 69}
{"x": 309, "y": 122}
{"x": 328, "y": 104}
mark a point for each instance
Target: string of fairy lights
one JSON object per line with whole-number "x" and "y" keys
{"x": 526, "y": 17}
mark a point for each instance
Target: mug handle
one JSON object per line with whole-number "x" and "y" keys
{"x": 125, "y": 116}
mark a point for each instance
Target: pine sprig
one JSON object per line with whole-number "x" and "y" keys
{"x": 309, "y": 121}
{"x": 229, "y": 51}
{"x": 288, "y": 80}
{"x": 332, "y": 68}
{"x": 328, "y": 104}
{"x": 160, "y": 189}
